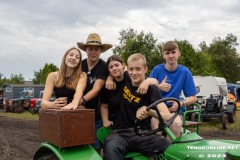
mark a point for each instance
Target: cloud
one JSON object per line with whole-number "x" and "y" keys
{"x": 33, "y": 33}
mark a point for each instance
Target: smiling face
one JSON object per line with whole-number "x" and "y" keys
{"x": 93, "y": 53}
{"x": 137, "y": 70}
{"x": 72, "y": 58}
{"x": 116, "y": 69}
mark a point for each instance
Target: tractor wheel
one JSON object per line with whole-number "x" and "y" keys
{"x": 232, "y": 116}
{"x": 49, "y": 156}
{"x": 225, "y": 121}
{"x": 20, "y": 109}
{"x": 35, "y": 110}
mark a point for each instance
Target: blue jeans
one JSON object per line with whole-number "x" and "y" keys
{"x": 97, "y": 144}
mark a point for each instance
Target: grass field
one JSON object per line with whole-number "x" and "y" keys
{"x": 24, "y": 115}
{"x": 215, "y": 124}
{"x": 212, "y": 125}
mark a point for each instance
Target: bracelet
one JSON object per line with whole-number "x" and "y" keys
{"x": 84, "y": 101}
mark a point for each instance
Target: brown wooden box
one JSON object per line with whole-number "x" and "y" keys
{"x": 66, "y": 128}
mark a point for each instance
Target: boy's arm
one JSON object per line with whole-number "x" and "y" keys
{"x": 143, "y": 88}
{"x": 190, "y": 100}
{"x": 142, "y": 113}
{"x": 110, "y": 84}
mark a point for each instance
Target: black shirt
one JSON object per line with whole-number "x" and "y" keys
{"x": 112, "y": 98}
{"x": 131, "y": 102}
{"x": 64, "y": 92}
{"x": 99, "y": 71}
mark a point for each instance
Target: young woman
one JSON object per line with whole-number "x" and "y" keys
{"x": 68, "y": 83}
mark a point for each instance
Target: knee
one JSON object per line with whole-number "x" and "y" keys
{"x": 177, "y": 123}
{"x": 112, "y": 145}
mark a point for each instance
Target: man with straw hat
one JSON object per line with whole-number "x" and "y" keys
{"x": 97, "y": 73}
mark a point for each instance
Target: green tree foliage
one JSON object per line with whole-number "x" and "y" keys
{"x": 225, "y": 57}
{"x": 14, "y": 79}
{"x": 41, "y": 75}
{"x": 132, "y": 42}
{"x": 220, "y": 58}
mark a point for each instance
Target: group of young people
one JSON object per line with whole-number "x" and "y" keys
{"x": 124, "y": 97}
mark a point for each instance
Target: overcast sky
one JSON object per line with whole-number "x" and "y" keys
{"x": 35, "y": 32}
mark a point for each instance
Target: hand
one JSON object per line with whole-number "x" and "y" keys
{"x": 70, "y": 106}
{"x": 81, "y": 107}
{"x": 107, "y": 123}
{"x": 174, "y": 106}
{"x": 163, "y": 86}
{"x": 142, "y": 113}
{"x": 60, "y": 102}
{"x": 110, "y": 84}
{"x": 143, "y": 88}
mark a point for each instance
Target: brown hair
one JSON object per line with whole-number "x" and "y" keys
{"x": 170, "y": 46}
{"x": 136, "y": 57}
{"x": 114, "y": 58}
{"x": 72, "y": 81}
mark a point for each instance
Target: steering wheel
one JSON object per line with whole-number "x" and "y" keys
{"x": 162, "y": 124}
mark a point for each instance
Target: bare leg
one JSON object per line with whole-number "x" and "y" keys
{"x": 175, "y": 127}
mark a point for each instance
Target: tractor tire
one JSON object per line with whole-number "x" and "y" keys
{"x": 35, "y": 110}
{"x": 20, "y": 110}
{"x": 49, "y": 156}
{"x": 232, "y": 116}
{"x": 225, "y": 121}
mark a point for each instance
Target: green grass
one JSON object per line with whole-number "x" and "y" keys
{"x": 212, "y": 125}
{"x": 215, "y": 124}
{"x": 24, "y": 115}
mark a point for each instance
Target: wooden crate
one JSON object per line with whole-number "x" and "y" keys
{"x": 66, "y": 128}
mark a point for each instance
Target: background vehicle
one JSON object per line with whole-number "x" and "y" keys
{"x": 215, "y": 103}
{"x": 234, "y": 90}
{"x": 36, "y": 103}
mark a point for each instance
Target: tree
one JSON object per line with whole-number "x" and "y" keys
{"x": 41, "y": 75}
{"x": 16, "y": 79}
{"x": 225, "y": 57}
{"x": 131, "y": 42}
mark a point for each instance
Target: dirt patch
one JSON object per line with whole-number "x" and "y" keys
{"x": 19, "y": 138}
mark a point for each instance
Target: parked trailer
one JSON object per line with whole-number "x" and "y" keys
{"x": 215, "y": 92}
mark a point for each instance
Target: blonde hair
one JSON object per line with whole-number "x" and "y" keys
{"x": 72, "y": 81}
{"x": 136, "y": 57}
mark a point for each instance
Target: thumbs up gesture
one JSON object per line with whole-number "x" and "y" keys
{"x": 164, "y": 86}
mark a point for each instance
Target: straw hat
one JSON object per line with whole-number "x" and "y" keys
{"x": 94, "y": 40}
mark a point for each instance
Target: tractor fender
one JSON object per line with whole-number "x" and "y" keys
{"x": 84, "y": 152}
{"x": 230, "y": 107}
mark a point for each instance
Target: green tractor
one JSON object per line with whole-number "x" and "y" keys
{"x": 188, "y": 146}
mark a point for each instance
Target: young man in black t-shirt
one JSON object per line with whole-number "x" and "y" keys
{"x": 123, "y": 138}
{"x": 97, "y": 73}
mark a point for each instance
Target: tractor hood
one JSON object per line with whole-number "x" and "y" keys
{"x": 204, "y": 149}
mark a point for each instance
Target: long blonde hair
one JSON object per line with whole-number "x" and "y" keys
{"x": 72, "y": 81}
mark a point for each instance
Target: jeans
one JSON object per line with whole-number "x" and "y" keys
{"x": 97, "y": 144}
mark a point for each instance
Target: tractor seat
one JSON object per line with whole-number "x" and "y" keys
{"x": 191, "y": 123}
{"x": 102, "y": 134}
